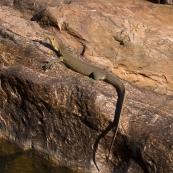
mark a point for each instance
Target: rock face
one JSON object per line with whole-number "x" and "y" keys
{"x": 134, "y": 45}
{"x": 169, "y": 2}
{"x": 63, "y": 114}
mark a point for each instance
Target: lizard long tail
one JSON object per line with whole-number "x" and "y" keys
{"x": 115, "y": 81}
{"x": 117, "y": 119}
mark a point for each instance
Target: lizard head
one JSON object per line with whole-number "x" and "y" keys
{"x": 53, "y": 41}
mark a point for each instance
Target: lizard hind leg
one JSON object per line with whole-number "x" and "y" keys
{"x": 98, "y": 76}
{"x": 50, "y": 63}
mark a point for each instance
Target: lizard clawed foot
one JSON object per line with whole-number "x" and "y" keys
{"x": 89, "y": 80}
{"x": 47, "y": 66}
{"x": 50, "y": 63}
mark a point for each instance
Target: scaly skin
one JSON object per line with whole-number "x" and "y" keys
{"x": 88, "y": 69}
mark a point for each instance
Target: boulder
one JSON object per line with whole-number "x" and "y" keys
{"x": 64, "y": 115}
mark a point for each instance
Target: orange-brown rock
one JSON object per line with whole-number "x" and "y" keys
{"x": 134, "y": 44}
{"x": 63, "y": 114}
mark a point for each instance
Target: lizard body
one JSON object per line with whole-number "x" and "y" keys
{"x": 88, "y": 69}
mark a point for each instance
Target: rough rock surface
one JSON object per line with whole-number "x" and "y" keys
{"x": 121, "y": 37}
{"x": 63, "y": 114}
{"x": 135, "y": 42}
{"x": 168, "y": 2}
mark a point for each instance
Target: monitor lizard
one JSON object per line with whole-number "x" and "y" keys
{"x": 85, "y": 68}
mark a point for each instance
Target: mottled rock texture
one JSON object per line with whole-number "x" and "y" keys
{"x": 63, "y": 114}
{"x": 168, "y": 2}
{"x": 131, "y": 39}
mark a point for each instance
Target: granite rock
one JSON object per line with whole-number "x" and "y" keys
{"x": 62, "y": 114}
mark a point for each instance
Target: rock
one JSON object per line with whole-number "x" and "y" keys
{"x": 33, "y": 6}
{"x": 129, "y": 43}
{"x": 169, "y": 2}
{"x": 58, "y": 116}
{"x": 7, "y": 3}
{"x": 63, "y": 114}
